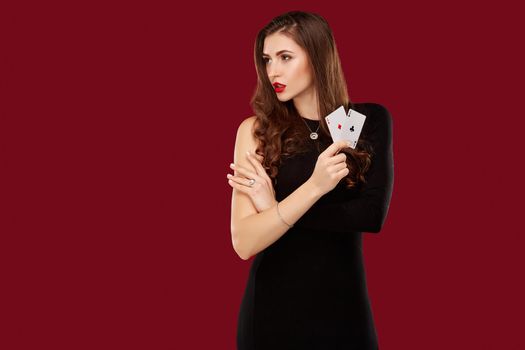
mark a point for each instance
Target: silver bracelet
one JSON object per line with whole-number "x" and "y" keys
{"x": 278, "y": 213}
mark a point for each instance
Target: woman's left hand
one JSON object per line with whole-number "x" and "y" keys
{"x": 261, "y": 193}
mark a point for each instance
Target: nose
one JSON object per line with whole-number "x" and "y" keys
{"x": 273, "y": 70}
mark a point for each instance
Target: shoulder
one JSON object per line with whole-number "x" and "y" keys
{"x": 246, "y": 127}
{"x": 245, "y": 135}
{"x": 378, "y": 122}
{"x": 247, "y": 124}
{"x": 377, "y": 115}
{"x": 376, "y": 111}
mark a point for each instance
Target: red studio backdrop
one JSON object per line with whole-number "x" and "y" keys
{"x": 118, "y": 123}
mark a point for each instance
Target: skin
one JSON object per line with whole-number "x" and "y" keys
{"x": 257, "y": 219}
{"x": 292, "y": 69}
{"x": 261, "y": 193}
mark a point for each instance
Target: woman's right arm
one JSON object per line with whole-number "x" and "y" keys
{"x": 251, "y": 231}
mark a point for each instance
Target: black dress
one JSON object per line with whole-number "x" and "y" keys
{"x": 308, "y": 289}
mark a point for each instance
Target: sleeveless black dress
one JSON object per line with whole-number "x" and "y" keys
{"x": 308, "y": 289}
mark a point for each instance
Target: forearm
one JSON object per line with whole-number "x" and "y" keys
{"x": 366, "y": 213}
{"x": 367, "y": 210}
{"x": 258, "y": 231}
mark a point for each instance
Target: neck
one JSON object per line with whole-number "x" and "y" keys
{"x": 307, "y": 105}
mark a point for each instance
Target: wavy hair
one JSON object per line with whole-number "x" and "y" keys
{"x": 278, "y": 128}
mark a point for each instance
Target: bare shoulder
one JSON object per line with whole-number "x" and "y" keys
{"x": 245, "y": 136}
{"x": 247, "y": 124}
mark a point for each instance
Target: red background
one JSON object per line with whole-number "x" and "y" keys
{"x": 118, "y": 123}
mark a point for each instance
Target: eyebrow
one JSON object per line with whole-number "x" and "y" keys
{"x": 278, "y": 53}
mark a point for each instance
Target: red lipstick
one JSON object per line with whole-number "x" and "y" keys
{"x": 278, "y": 87}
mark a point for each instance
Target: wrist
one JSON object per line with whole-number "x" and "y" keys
{"x": 312, "y": 190}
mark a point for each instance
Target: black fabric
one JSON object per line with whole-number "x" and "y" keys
{"x": 308, "y": 289}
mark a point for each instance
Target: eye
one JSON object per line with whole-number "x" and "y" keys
{"x": 265, "y": 59}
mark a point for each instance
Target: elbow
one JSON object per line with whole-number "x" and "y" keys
{"x": 374, "y": 226}
{"x": 377, "y": 221}
{"x": 242, "y": 254}
{"x": 239, "y": 247}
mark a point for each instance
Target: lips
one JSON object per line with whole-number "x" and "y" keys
{"x": 278, "y": 87}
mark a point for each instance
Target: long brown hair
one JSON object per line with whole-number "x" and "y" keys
{"x": 279, "y": 129}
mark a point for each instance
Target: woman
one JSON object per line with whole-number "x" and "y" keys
{"x": 300, "y": 202}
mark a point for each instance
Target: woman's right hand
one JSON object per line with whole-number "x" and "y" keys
{"x": 330, "y": 168}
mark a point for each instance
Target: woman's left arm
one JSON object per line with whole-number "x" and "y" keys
{"x": 367, "y": 211}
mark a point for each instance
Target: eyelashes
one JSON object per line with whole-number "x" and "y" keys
{"x": 265, "y": 59}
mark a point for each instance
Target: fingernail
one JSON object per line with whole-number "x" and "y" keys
{"x": 232, "y": 165}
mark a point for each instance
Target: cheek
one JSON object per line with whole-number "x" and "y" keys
{"x": 299, "y": 74}
{"x": 302, "y": 79}
{"x": 303, "y": 70}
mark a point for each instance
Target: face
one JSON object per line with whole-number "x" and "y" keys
{"x": 287, "y": 64}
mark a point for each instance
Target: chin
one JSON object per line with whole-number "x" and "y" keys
{"x": 283, "y": 98}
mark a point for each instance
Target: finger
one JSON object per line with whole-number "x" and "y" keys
{"x": 240, "y": 180}
{"x": 343, "y": 172}
{"x": 335, "y": 169}
{"x": 236, "y": 186}
{"x": 341, "y": 157}
{"x": 340, "y": 166}
{"x": 334, "y": 148}
{"x": 257, "y": 156}
{"x": 245, "y": 172}
{"x": 256, "y": 160}
{"x": 257, "y": 165}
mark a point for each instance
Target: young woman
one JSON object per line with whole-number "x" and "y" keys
{"x": 301, "y": 202}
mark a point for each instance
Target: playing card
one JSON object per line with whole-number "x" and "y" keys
{"x": 352, "y": 126}
{"x": 334, "y": 121}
